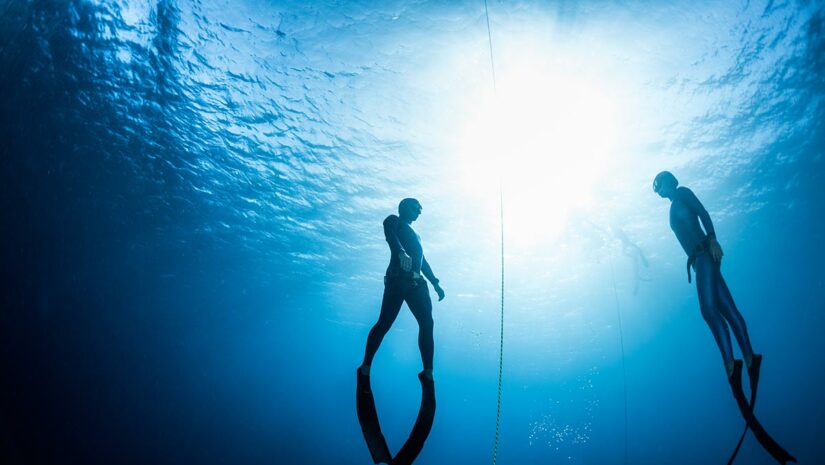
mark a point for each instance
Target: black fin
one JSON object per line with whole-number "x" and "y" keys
{"x": 368, "y": 418}
{"x": 423, "y": 424}
{"x": 768, "y": 443}
{"x": 753, "y": 377}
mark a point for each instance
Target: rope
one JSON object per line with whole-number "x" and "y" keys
{"x": 624, "y": 368}
{"x": 501, "y": 223}
{"x": 490, "y": 41}
{"x": 501, "y": 333}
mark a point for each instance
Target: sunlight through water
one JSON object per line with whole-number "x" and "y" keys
{"x": 545, "y": 136}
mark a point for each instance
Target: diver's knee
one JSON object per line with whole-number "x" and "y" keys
{"x": 741, "y": 326}
{"x": 710, "y": 316}
{"x": 381, "y": 327}
{"x": 733, "y": 316}
{"x": 426, "y": 324}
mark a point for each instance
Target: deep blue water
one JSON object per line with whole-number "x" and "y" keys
{"x": 192, "y": 197}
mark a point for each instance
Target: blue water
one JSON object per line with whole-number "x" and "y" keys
{"x": 192, "y": 198}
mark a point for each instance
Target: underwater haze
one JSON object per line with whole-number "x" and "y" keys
{"x": 193, "y": 254}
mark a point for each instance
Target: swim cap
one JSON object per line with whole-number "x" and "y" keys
{"x": 664, "y": 178}
{"x": 407, "y": 204}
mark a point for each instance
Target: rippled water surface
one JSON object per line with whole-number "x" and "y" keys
{"x": 193, "y": 193}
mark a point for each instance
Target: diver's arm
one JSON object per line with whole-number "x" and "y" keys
{"x": 697, "y": 207}
{"x": 391, "y": 235}
{"x": 427, "y": 271}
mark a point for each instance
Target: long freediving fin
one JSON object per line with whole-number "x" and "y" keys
{"x": 768, "y": 443}
{"x": 368, "y": 418}
{"x": 423, "y": 424}
{"x": 753, "y": 375}
{"x": 753, "y": 378}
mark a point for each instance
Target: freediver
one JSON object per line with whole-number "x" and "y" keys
{"x": 715, "y": 300}
{"x": 403, "y": 282}
{"x": 705, "y": 257}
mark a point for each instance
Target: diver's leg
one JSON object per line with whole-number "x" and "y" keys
{"x": 390, "y": 306}
{"x": 727, "y": 307}
{"x": 707, "y": 303}
{"x": 421, "y": 306}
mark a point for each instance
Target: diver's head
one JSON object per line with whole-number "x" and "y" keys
{"x": 665, "y": 184}
{"x": 409, "y": 209}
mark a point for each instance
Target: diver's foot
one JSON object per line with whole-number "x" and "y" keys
{"x": 364, "y": 387}
{"x": 735, "y": 375}
{"x": 729, "y": 366}
{"x": 754, "y": 358}
{"x": 427, "y": 374}
{"x": 753, "y": 373}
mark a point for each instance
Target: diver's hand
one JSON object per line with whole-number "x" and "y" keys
{"x": 439, "y": 291}
{"x": 406, "y": 261}
{"x": 715, "y": 250}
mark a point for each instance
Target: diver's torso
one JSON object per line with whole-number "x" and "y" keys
{"x": 411, "y": 242}
{"x": 685, "y": 224}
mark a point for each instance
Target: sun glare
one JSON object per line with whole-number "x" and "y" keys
{"x": 545, "y": 138}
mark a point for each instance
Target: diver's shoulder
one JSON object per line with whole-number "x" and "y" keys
{"x": 684, "y": 192}
{"x": 391, "y": 219}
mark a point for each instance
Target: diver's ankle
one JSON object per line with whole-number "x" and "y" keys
{"x": 748, "y": 361}
{"x": 364, "y": 369}
{"x": 753, "y": 358}
{"x": 729, "y": 368}
{"x": 428, "y": 373}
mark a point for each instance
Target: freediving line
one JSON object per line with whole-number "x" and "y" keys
{"x": 490, "y": 42}
{"x": 624, "y": 368}
{"x": 501, "y": 228}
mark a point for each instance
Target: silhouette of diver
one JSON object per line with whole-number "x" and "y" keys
{"x": 704, "y": 256}
{"x": 403, "y": 282}
{"x": 630, "y": 250}
{"x": 635, "y": 254}
{"x": 715, "y": 300}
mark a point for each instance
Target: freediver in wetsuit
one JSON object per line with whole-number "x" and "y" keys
{"x": 705, "y": 256}
{"x": 715, "y": 300}
{"x": 404, "y": 282}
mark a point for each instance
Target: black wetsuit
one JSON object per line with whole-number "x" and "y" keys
{"x": 401, "y": 286}
{"x": 715, "y": 300}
